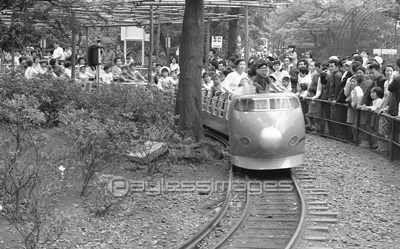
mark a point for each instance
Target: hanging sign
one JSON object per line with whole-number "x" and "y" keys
{"x": 216, "y": 42}
{"x": 168, "y": 42}
{"x": 43, "y": 43}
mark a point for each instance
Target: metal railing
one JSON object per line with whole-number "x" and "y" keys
{"x": 365, "y": 126}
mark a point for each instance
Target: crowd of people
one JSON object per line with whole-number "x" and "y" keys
{"x": 360, "y": 81}
{"x": 58, "y": 63}
{"x": 356, "y": 81}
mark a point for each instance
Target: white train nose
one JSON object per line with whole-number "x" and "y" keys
{"x": 270, "y": 139}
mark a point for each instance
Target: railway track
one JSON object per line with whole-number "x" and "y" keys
{"x": 261, "y": 210}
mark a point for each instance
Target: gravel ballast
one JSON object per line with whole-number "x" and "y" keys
{"x": 363, "y": 188}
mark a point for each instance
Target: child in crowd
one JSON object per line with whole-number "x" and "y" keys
{"x": 126, "y": 74}
{"x": 166, "y": 82}
{"x": 83, "y": 75}
{"x": 376, "y": 96}
{"x": 207, "y": 82}
{"x": 216, "y": 89}
{"x": 137, "y": 76}
{"x": 107, "y": 76}
{"x": 355, "y": 99}
{"x": 50, "y": 71}
{"x": 30, "y": 72}
{"x": 244, "y": 87}
{"x": 302, "y": 90}
{"x": 272, "y": 79}
{"x": 67, "y": 70}
{"x": 286, "y": 83}
{"x": 174, "y": 76}
{"x": 314, "y": 110}
{"x": 301, "y": 94}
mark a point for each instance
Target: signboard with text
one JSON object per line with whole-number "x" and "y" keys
{"x": 216, "y": 42}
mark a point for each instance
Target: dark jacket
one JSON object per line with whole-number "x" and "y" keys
{"x": 335, "y": 82}
{"x": 325, "y": 86}
{"x": 342, "y": 98}
{"x": 314, "y": 80}
{"x": 394, "y": 100}
{"x": 380, "y": 81}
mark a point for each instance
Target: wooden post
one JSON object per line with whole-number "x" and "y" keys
{"x": 151, "y": 45}
{"x": 73, "y": 45}
{"x": 158, "y": 39}
{"x": 125, "y": 52}
{"x": 207, "y": 50}
{"x": 87, "y": 39}
{"x": 1, "y": 60}
{"x": 13, "y": 48}
{"x": 246, "y": 34}
{"x": 168, "y": 48}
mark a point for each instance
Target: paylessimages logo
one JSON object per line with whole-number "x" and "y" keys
{"x": 120, "y": 186}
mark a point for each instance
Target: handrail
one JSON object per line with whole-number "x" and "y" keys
{"x": 393, "y": 135}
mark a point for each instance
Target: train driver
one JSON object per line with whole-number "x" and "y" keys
{"x": 232, "y": 81}
{"x": 262, "y": 81}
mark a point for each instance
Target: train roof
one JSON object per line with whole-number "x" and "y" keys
{"x": 265, "y": 95}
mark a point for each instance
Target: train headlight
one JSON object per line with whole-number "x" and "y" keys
{"x": 270, "y": 139}
{"x": 293, "y": 140}
{"x": 245, "y": 141}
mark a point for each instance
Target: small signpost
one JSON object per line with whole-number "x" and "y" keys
{"x": 216, "y": 42}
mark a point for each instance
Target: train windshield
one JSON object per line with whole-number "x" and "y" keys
{"x": 283, "y": 103}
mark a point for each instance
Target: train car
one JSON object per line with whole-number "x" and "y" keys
{"x": 266, "y": 131}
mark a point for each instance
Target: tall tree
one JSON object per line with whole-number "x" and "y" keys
{"x": 233, "y": 32}
{"x": 188, "y": 103}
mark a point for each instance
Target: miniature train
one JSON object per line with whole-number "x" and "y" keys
{"x": 266, "y": 131}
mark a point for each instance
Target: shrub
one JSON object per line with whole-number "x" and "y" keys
{"x": 110, "y": 121}
{"x": 29, "y": 188}
{"x": 52, "y": 93}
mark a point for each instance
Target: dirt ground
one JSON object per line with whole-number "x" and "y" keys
{"x": 151, "y": 218}
{"x": 363, "y": 187}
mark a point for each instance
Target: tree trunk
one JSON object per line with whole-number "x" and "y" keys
{"x": 233, "y": 32}
{"x": 188, "y": 103}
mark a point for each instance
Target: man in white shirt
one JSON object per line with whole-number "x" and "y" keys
{"x": 58, "y": 52}
{"x": 231, "y": 82}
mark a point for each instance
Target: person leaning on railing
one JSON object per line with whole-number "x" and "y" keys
{"x": 384, "y": 122}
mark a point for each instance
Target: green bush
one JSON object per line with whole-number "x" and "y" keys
{"x": 112, "y": 120}
{"x": 52, "y": 93}
{"x": 29, "y": 187}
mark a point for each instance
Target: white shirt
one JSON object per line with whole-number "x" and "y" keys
{"x": 279, "y": 75}
{"x": 306, "y": 79}
{"x": 232, "y": 81}
{"x": 107, "y": 77}
{"x": 38, "y": 68}
{"x": 174, "y": 67}
{"x": 30, "y": 72}
{"x": 58, "y": 54}
{"x": 67, "y": 72}
{"x": 357, "y": 95}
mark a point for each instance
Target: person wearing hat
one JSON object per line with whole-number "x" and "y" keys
{"x": 378, "y": 60}
{"x": 333, "y": 57}
{"x": 165, "y": 82}
{"x": 262, "y": 81}
{"x": 108, "y": 55}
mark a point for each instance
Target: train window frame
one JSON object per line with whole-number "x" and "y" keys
{"x": 292, "y": 103}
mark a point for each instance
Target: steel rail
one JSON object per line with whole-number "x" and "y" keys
{"x": 195, "y": 239}
{"x": 300, "y": 226}
{"x": 238, "y": 222}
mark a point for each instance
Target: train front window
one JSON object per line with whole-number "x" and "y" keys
{"x": 283, "y": 103}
